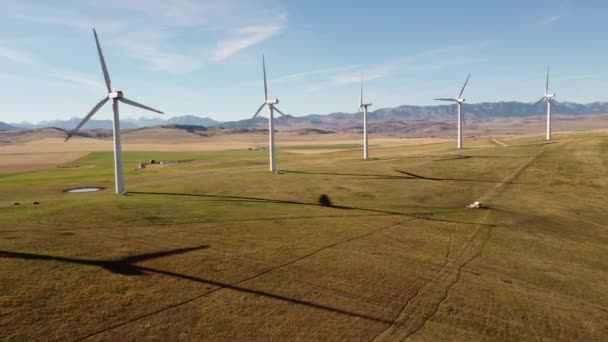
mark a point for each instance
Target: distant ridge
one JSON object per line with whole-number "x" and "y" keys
{"x": 340, "y": 121}
{"x": 6, "y": 127}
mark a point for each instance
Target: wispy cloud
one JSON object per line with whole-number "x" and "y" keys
{"x": 306, "y": 74}
{"x": 549, "y": 20}
{"x": 15, "y": 55}
{"x": 372, "y": 73}
{"x": 246, "y": 37}
{"x": 435, "y": 59}
{"x": 62, "y": 16}
{"x": 242, "y": 23}
{"x": 150, "y": 47}
{"x": 77, "y": 79}
{"x": 55, "y": 80}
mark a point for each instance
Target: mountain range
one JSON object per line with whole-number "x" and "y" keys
{"x": 343, "y": 121}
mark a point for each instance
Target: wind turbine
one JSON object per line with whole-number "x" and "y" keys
{"x": 549, "y": 98}
{"x": 115, "y": 96}
{"x": 459, "y": 101}
{"x": 364, "y": 106}
{"x": 271, "y": 104}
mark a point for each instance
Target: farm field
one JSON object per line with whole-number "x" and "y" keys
{"x": 217, "y": 248}
{"x": 44, "y": 150}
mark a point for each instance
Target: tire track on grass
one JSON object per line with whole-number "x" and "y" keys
{"x": 498, "y": 142}
{"x": 426, "y": 301}
{"x": 234, "y": 285}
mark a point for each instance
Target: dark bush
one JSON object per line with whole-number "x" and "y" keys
{"x": 325, "y": 201}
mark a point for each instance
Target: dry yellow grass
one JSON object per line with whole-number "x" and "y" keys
{"x": 219, "y": 249}
{"x": 23, "y": 162}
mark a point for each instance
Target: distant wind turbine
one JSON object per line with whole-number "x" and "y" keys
{"x": 115, "y": 96}
{"x": 364, "y": 106}
{"x": 271, "y": 104}
{"x": 549, "y": 98}
{"x": 459, "y": 101}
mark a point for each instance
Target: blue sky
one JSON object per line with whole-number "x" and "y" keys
{"x": 190, "y": 57}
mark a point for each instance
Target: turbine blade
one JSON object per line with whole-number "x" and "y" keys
{"x": 265, "y": 81}
{"x": 547, "y": 84}
{"x": 446, "y": 99}
{"x": 258, "y": 111}
{"x": 278, "y": 110}
{"x": 464, "y": 86}
{"x": 104, "y": 68}
{"x": 86, "y": 118}
{"x": 539, "y": 101}
{"x": 361, "y": 93}
{"x": 139, "y": 105}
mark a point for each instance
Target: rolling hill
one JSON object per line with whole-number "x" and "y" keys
{"x": 402, "y": 116}
{"x": 6, "y": 127}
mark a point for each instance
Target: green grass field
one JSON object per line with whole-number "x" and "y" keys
{"x": 218, "y": 248}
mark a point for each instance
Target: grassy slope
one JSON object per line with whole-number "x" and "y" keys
{"x": 402, "y": 258}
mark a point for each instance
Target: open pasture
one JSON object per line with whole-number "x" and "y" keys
{"x": 218, "y": 248}
{"x": 43, "y": 152}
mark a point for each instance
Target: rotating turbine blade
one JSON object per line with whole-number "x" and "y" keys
{"x": 547, "y": 84}
{"x": 86, "y": 118}
{"x": 139, "y": 105}
{"x": 360, "y": 96}
{"x": 445, "y": 99}
{"x": 278, "y": 110}
{"x": 104, "y": 68}
{"x": 258, "y": 111}
{"x": 464, "y": 86}
{"x": 265, "y": 81}
{"x": 539, "y": 101}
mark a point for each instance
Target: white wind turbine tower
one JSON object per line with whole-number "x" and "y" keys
{"x": 549, "y": 98}
{"x": 459, "y": 101}
{"x": 115, "y": 96}
{"x": 271, "y": 103}
{"x": 364, "y": 106}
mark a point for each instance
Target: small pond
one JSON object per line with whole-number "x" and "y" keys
{"x": 83, "y": 190}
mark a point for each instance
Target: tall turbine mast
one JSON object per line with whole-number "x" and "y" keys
{"x": 549, "y": 98}
{"x": 364, "y": 106}
{"x": 271, "y": 104}
{"x": 459, "y": 101}
{"x": 116, "y": 96}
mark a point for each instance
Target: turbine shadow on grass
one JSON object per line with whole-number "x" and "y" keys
{"x": 242, "y": 199}
{"x": 408, "y": 176}
{"x": 181, "y": 222}
{"x": 448, "y": 157}
{"x": 416, "y": 176}
{"x": 125, "y": 266}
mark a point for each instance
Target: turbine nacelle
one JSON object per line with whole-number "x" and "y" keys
{"x": 550, "y": 96}
{"x": 115, "y": 95}
{"x": 268, "y": 102}
{"x": 461, "y": 100}
{"x": 366, "y": 104}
